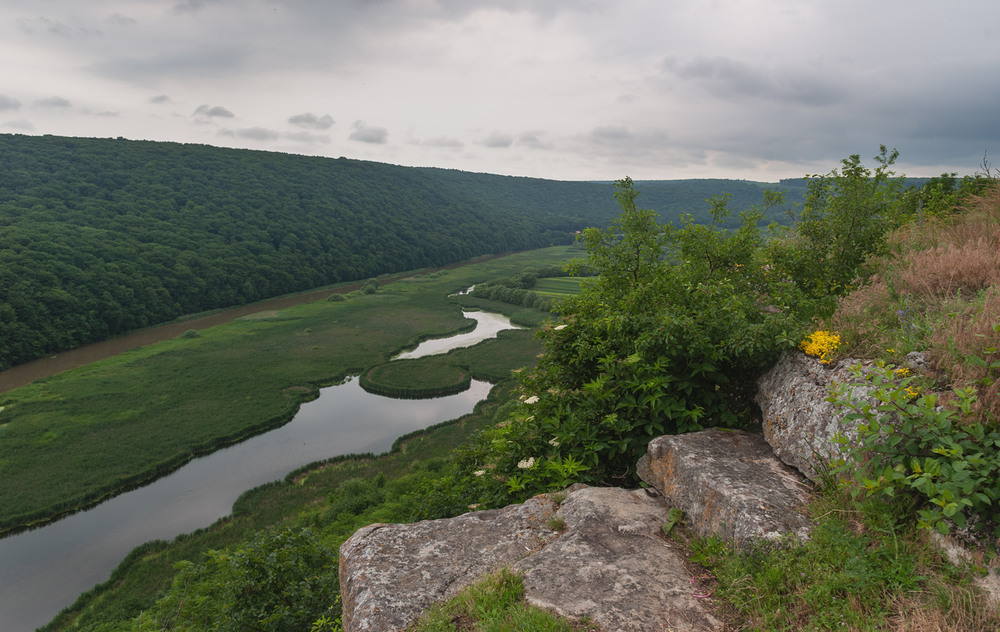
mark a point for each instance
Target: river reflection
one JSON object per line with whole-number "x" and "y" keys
{"x": 44, "y": 570}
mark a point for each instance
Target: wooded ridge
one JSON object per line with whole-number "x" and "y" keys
{"x": 99, "y": 237}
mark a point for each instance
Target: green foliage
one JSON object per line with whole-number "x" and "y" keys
{"x": 935, "y": 452}
{"x": 96, "y": 430}
{"x": 844, "y": 223}
{"x": 668, "y": 338}
{"x": 279, "y": 582}
{"x": 942, "y": 195}
{"x": 840, "y": 579}
{"x": 517, "y": 289}
{"x": 105, "y": 236}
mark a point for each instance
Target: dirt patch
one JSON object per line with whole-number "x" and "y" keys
{"x": 265, "y": 315}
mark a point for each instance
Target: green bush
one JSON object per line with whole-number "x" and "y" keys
{"x": 911, "y": 443}
{"x": 669, "y": 338}
{"x": 279, "y": 582}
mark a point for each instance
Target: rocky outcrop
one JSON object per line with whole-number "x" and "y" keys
{"x": 728, "y": 483}
{"x": 799, "y": 424}
{"x": 609, "y": 563}
{"x": 390, "y": 573}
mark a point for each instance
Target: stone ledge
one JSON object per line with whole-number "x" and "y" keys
{"x": 609, "y": 564}
{"x": 728, "y": 483}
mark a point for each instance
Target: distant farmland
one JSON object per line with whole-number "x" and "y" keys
{"x": 558, "y": 287}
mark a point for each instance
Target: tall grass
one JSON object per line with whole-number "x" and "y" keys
{"x": 940, "y": 294}
{"x": 80, "y": 436}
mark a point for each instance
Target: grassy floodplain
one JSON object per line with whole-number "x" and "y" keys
{"x": 78, "y": 437}
{"x": 558, "y": 287}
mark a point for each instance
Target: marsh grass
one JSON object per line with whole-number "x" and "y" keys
{"x": 320, "y": 496}
{"x": 418, "y": 378}
{"x": 78, "y": 437}
{"x": 559, "y": 287}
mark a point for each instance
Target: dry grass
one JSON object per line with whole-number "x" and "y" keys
{"x": 947, "y": 608}
{"x": 940, "y": 294}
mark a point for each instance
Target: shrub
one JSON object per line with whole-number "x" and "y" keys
{"x": 948, "y": 461}
{"x": 668, "y": 339}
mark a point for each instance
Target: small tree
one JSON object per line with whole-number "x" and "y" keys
{"x": 844, "y": 223}
{"x": 668, "y": 339}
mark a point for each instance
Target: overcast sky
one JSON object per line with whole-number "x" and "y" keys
{"x": 563, "y": 89}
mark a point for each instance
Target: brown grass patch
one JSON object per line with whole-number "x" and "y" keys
{"x": 948, "y": 609}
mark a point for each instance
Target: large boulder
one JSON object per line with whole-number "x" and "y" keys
{"x": 799, "y": 424}
{"x": 608, "y": 563}
{"x": 390, "y": 573}
{"x": 613, "y": 565}
{"x": 728, "y": 483}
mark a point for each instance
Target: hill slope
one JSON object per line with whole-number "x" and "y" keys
{"x": 102, "y": 236}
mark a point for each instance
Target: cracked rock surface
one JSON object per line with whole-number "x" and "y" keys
{"x": 609, "y": 563}
{"x": 728, "y": 483}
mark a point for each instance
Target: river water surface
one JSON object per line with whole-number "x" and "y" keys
{"x": 44, "y": 570}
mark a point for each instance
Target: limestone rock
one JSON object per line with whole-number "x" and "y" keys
{"x": 608, "y": 564}
{"x": 612, "y": 565}
{"x": 728, "y": 483}
{"x": 390, "y": 573}
{"x": 798, "y": 422}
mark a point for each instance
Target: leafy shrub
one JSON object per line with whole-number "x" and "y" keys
{"x": 843, "y": 225}
{"x": 282, "y": 581}
{"x": 909, "y": 444}
{"x": 669, "y": 338}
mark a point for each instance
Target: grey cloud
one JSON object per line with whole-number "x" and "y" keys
{"x": 610, "y": 133}
{"x": 217, "y": 60}
{"x": 534, "y": 141}
{"x": 498, "y": 140}
{"x": 37, "y": 26}
{"x": 251, "y": 133}
{"x": 311, "y": 121}
{"x": 732, "y": 79}
{"x": 160, "y": 98}
{"x": 367, "y": 134}
{"x": 53, "y": 102}
{"x": 121, "y": 20}
{"x": 20, "y": 124}
{"x": 213, "y": 111}
{"x": 9, "y": 103}
{"x": 441, "y": 141}
{"x": 191, "y": 6}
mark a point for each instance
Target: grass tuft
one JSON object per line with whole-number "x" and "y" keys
{"x": 495, "y": 603}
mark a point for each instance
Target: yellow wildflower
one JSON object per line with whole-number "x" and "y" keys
{"x": 821, "y": 344}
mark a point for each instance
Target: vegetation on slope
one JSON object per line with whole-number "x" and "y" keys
{"x": 651, "y": 333}
{"x": 85, "y": 434}
{"x": 104, "y": 236}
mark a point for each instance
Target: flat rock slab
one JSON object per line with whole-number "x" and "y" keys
{"x": 612, "y": 565}
{"x": 728, "y": 483}
{"x": 608, "y": 564}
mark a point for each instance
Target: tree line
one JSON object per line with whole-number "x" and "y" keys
{"x": 99, "y": 237}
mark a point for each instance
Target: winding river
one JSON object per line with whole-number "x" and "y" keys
{"x": 44, "y": 570}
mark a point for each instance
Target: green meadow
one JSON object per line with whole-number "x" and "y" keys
{"x": 559, "y": 287}
{"x": 76, "y": 438}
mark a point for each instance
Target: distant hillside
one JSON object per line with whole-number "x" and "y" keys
{"x": 102, "y": 236}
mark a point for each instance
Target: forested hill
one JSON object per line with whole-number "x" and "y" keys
{"x": 102, "y": 236}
